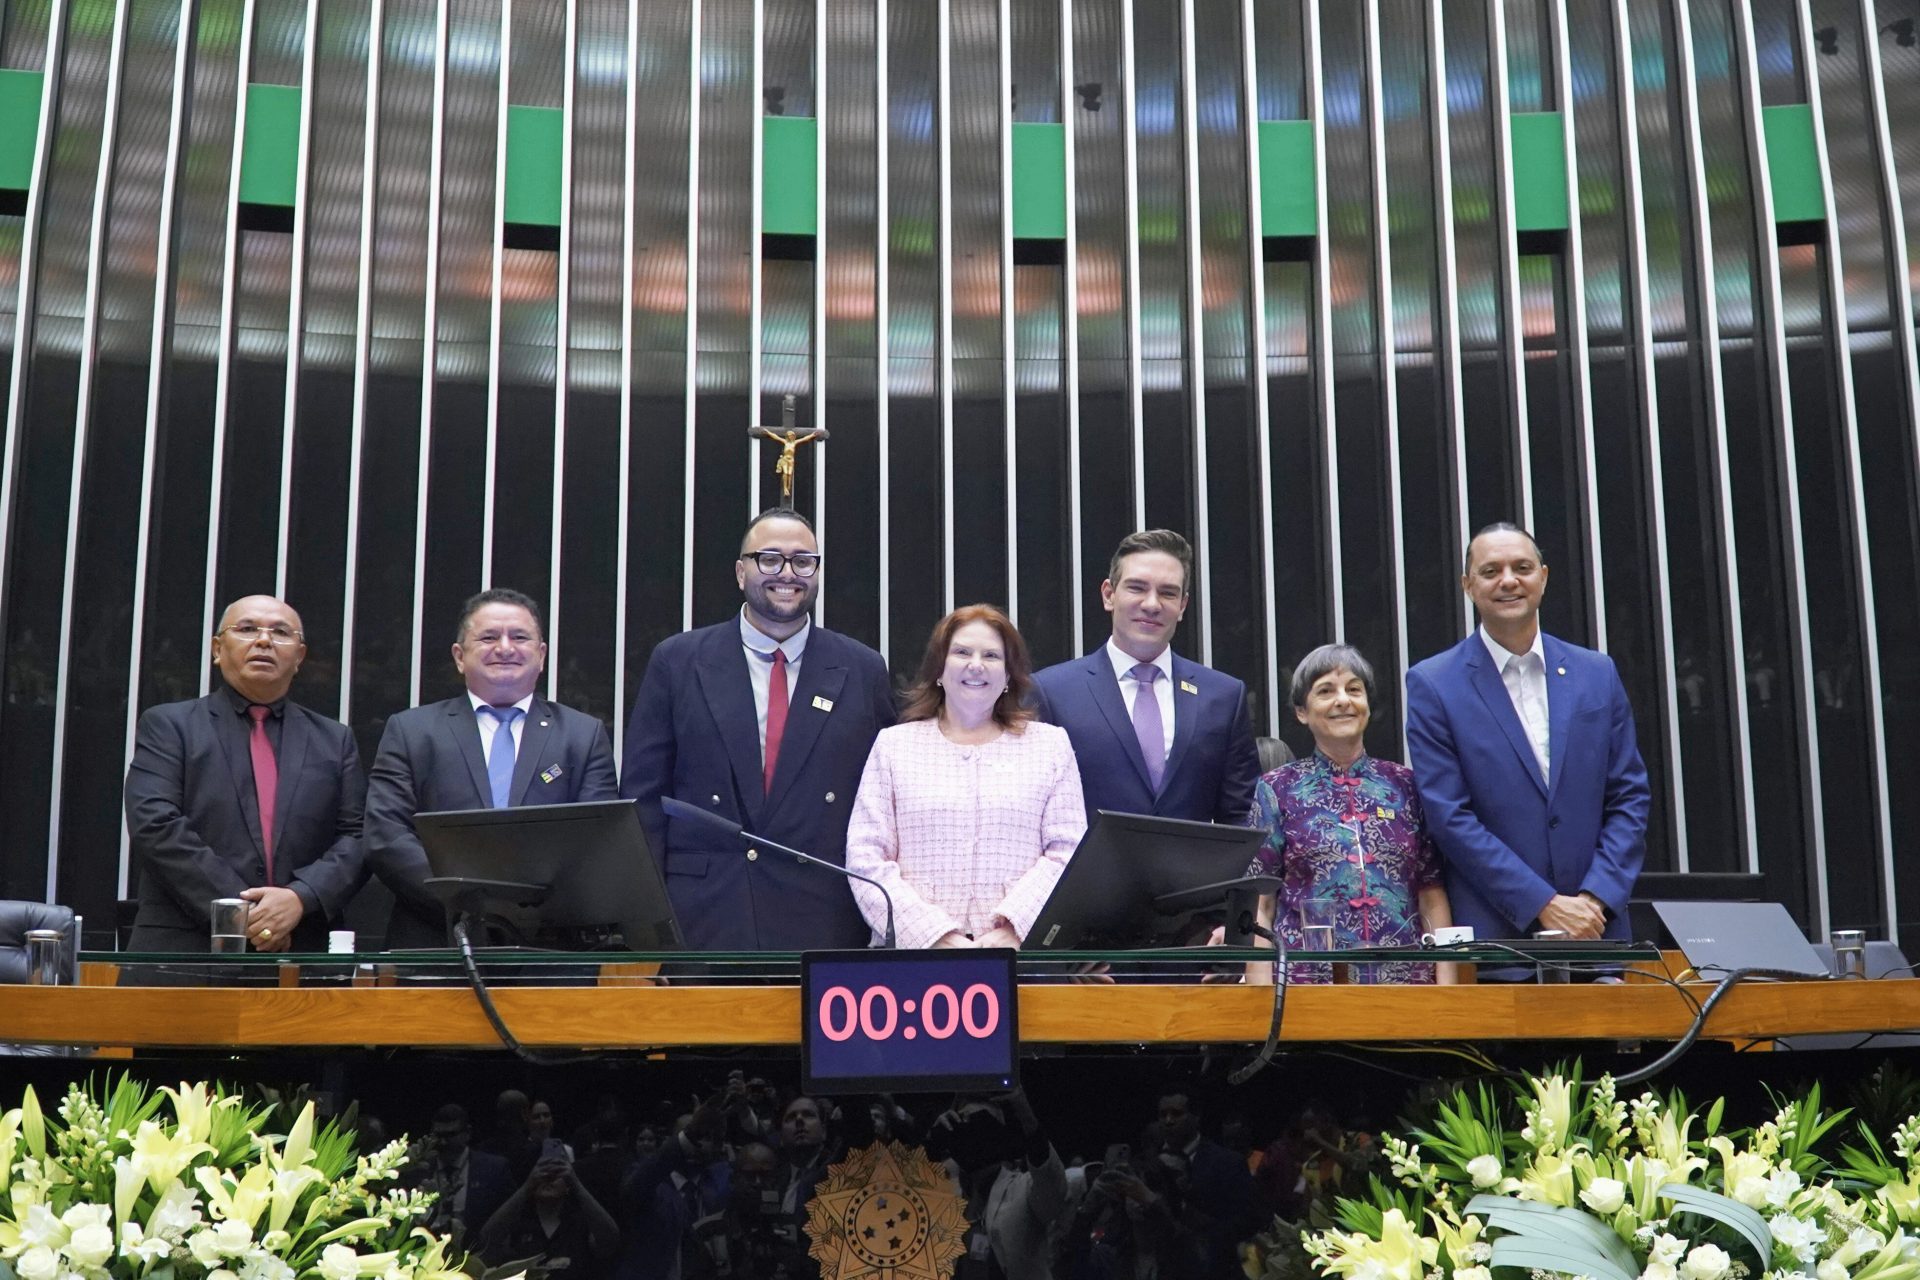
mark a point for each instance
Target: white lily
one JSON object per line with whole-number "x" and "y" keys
{"x": 164, "y": 1156}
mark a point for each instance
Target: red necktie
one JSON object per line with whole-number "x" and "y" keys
{"x": 266, "y": 778}
{"x": 776, "y": 715}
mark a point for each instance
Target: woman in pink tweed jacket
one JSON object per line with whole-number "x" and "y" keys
{"x": 969, "y": 808}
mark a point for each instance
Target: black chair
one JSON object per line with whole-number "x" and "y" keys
{"x": 17, "y": 919}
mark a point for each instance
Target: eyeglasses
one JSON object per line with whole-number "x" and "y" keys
{"x": 249, "y": 632}
{"x": 805, "y": 563}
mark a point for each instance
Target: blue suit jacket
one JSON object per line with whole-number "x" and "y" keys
{"x": 1509, "y": 840}
{"x": 695, "y": 736}
{"x": 1209, "y": 775}
{"x": 430, "y": 760}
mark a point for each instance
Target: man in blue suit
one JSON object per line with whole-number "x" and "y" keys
{"x": 498, "y": 744}
{"x": 1523, "y": 749}
{"x": 767, "y": 720}
{"x": 1153, "y": 732}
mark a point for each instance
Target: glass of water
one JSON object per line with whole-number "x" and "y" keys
{"x": 1316, "y": 924}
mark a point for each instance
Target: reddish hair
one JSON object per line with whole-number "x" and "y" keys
{"x": 925, "y": 697}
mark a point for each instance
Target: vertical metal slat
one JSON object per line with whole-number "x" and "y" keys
{"x": 1010, "y": 435}
{"x": 1511, "y": 329}
{"x": 695, "y": 82}
{"x": 1853, "y": 479}
{"x": 1323, "y": 326}
{"x": 1775, "y": 338}
{"x": 429, "y": 343}
{"x": 944, "y": 106}
{"x": 495, "y": 299}
{"x": 82, "y": 430}
{"x": 1071, "y": 328}
{"x": 882, "y": 304}
{"x": 562, "y": 348}
{"x": 622, "y": 554}
{"x": 1130, "y": 182}
{"x": 1716, "y": 425}
{"x": 1196, "y": 328}
{"x": 818, "y": 344}
{"x": 162, "y": 332}
{"x": 1388, "y": 354}
{"x": 1262, "y": 425}
{"x": 756, "y": 269}
{"x": 1647, "y": 403}
{"x": 362, "y": 348}
{"x": 1447, "y": 336}
{"x": 296, "y": 297}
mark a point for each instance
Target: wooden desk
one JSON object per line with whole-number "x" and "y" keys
{"x": 641, "y": 1017}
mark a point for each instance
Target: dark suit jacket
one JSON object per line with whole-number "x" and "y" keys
{"x": 193, "y": 819}
{"x": 1509, "y": 840}
{"x": 1213, "y": 766}
{"x": 430, "y": 759}
{"x": 694, "y": 735}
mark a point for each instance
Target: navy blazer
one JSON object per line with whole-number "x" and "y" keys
{"x": 1210, "y": 773}
{"x": 1510, "y": 841}
{"x": 430, "y": 759}
{"x": 695, "y": 736}
{"x": 193, "y": 819}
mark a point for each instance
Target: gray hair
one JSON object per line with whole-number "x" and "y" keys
{"x": 1324, "y": 661}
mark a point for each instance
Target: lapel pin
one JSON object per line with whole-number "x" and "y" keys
{"x": 829, "y": 797}
{"x": 552, "y": 772}
{"x": 1188, "y": 686}
{"x": 1561, "y": 670}
{"x": 543, "y": 724}
{"x": 823, "y": 704}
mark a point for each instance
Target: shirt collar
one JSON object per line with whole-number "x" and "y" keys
{"x": 241, "y": 702}
{"x": 1124, "y": 662}
{"x": 794, "y": 646}
{"x": 1501, "y": 654}
{"x": 525, "y": 704}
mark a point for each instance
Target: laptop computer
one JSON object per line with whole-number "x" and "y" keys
{"x": 1719, "y": 937}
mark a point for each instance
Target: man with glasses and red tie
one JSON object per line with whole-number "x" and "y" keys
{"x": 766, "y": 719}
{"x": 498, "y": 744}
{"x": 244, "y": 794}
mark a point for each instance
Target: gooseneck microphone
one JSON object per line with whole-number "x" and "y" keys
{"x": 728, "y": 828}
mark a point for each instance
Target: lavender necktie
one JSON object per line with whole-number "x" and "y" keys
{"x": 1147, "y": 725}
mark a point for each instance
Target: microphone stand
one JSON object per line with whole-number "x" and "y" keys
{"x": 675, "y": 808}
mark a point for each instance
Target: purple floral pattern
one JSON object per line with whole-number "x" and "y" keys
{"x": 1355, "y": 835}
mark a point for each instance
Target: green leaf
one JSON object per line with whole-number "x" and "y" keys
{"x": 1551, "y": 1224}
{"x": 1708, "y": 1204}
{"x": 1714, "y": 1114}
{"x": 1559, "y": 1259}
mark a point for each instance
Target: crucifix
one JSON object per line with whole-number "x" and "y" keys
{"x": 790, "y": 441}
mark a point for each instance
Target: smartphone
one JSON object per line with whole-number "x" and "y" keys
{"x": 554, "y": 1149}
{"x": 1119, "y": 1155}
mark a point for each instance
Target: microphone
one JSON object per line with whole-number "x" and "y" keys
{"x": 720, "y": 825}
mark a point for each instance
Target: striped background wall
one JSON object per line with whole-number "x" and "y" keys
{"x": 1340, "y": 281}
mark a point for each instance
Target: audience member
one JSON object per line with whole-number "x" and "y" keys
{"x": 471, "y": 1184}
{"x": 1013, "y": 1180}
{"x": 554, "y": 1218}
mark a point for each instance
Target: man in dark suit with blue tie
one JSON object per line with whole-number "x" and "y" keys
{"x": 1523, "y": 749}
{"x": 767, "y": 720}
{"x": 205, "y": 773}
{"x": 1153, "y": 732}
{"x": 496, "y": 745}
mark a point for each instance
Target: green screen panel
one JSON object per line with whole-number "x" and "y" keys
{"x": 1539, "y": 171}
{"x": 536, "y": 139}
{"x": 1793, "y": 164}
{"x": 1039, "y": 182}
{"x": 1287, "y": 166}
{"x": 789, "y": 181}
{"x": 270, "y": 155}
{"x": 19, "y": 127}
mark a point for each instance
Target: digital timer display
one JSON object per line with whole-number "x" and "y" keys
{"x": 908, "y": 1021}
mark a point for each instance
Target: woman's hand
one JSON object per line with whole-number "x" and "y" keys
{"x": 1001, "y": 935}
{"x": 953, "y": 938}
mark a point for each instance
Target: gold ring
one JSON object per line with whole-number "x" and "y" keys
{"x": 265, "y": 934}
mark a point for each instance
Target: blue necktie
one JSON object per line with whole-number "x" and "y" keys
{"x": 500, "y": 760}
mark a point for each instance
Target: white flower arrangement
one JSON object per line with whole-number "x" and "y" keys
{"x": 183, "y": 1184}
{"x": 1565, "y": 1179}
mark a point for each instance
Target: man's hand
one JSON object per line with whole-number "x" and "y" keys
{"x": 1001, "y": 935}
{"x": 1577, "y": 917}
{"x": 271, "y": 918}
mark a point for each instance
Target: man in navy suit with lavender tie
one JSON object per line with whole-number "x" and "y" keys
{"x": 1523, "y": 749}
{"x": 1153, "y": 732}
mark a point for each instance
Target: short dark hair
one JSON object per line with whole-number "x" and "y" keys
{"x": 452, "y": 1113}
{"x": 772, "y": 513}
{"x": 925, "y": 698}
{"x": 497, "y": 595}
{"x": 1322, "y": 662}
{"x": 1166, "y": 540}
{"x": 1498, "y": 526}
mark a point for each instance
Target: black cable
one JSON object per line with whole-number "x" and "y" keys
{"x": 485, "y": 997}
{"x": 1665, "y": 1060}
{"x": 1267, "y": 1050}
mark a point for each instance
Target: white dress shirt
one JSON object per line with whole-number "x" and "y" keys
{"x": 760, "y": 647}
{"x": 1123, "y": 665}
{"x": 490, "y": 726}
{"x": 1525, "y": 675}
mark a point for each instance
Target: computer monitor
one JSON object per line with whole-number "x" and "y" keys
{"x": 1107, "y": 895}
{"x": 1686, "y": 886}
{"x": 552, "y": 867}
